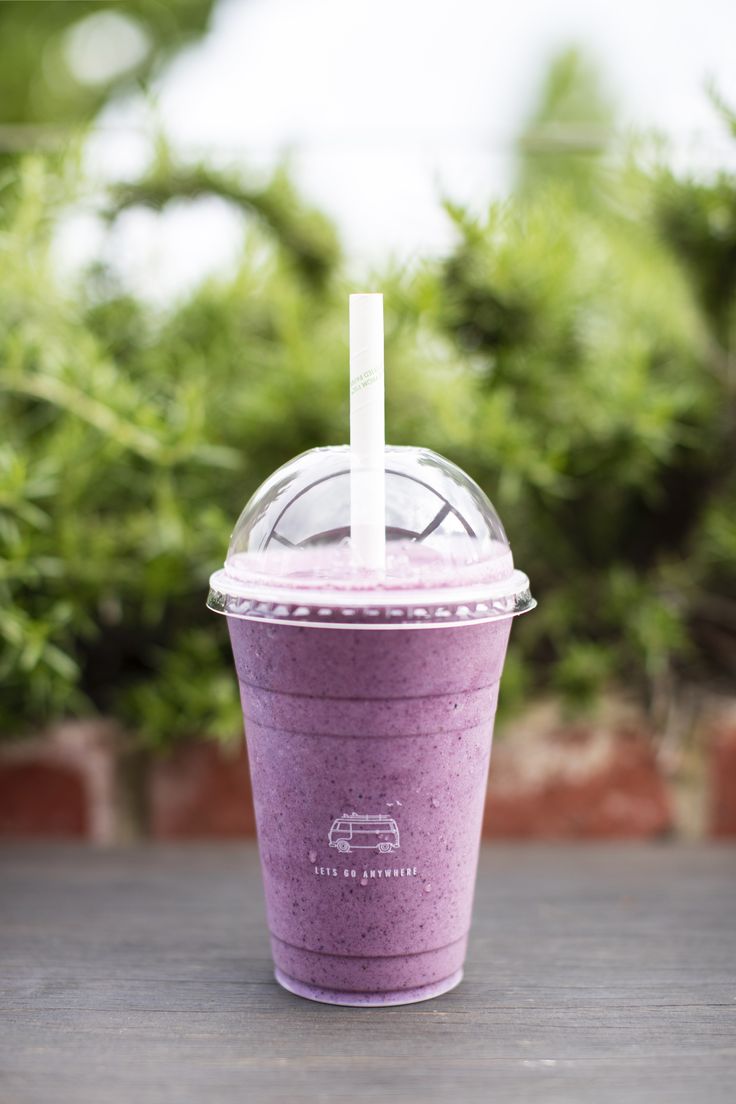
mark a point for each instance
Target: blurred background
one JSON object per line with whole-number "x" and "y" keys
{"x": 546, "y": 195}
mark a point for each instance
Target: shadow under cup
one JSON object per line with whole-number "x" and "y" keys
{"x": 369, "y": 753}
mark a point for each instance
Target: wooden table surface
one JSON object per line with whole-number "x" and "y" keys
{"x": 595, "y": 973}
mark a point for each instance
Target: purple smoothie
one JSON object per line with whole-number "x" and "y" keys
{"x": 369, "y": 753}
{"x": 369, "y": 693}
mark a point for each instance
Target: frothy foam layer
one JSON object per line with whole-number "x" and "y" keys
{"x": 409, "y": 566}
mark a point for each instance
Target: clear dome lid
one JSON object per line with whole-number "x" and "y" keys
{"x": 447, "y": 555}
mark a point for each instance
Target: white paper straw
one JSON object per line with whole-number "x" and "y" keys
{"x": 367, "y": 439}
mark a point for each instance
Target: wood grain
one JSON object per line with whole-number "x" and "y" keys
{"x": 595, "y": 973}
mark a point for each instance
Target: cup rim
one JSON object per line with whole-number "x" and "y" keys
{"x": 489, "y": 601}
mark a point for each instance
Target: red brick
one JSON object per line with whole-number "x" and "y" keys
{"x": 722, "y": 777}
{"x": 64, "y": 783}
{"x": 201, "y": 790}
{"x": 552, "y": 780}
{"x": 42, "y": 799}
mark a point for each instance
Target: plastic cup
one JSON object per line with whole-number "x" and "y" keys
{"x": 369, "y": 701}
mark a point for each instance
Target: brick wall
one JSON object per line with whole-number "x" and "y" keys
{"x": 551, "y": 778}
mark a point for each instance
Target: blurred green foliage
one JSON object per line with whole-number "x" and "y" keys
{"x": 304, "y": 234}
{"x": 125, "y": 43}
{"x": 574, "y": 353}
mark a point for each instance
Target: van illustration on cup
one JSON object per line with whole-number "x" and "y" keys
{"x": 356, "y": 830}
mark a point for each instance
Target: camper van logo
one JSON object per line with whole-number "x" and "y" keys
{"x": 352, "y": 831}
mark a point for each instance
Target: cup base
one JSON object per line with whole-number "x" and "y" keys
{"x": 368, "y": 1000}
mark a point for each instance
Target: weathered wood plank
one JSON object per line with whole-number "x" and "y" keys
{"x": 595, "y": 973}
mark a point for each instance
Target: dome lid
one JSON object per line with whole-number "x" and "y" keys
{"x": 447, "y": 555}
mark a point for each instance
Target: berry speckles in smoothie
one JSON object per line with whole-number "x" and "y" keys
{"x": 363, "y": 771}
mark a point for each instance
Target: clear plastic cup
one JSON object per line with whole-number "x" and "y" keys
{"x": 369, "y": 699}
